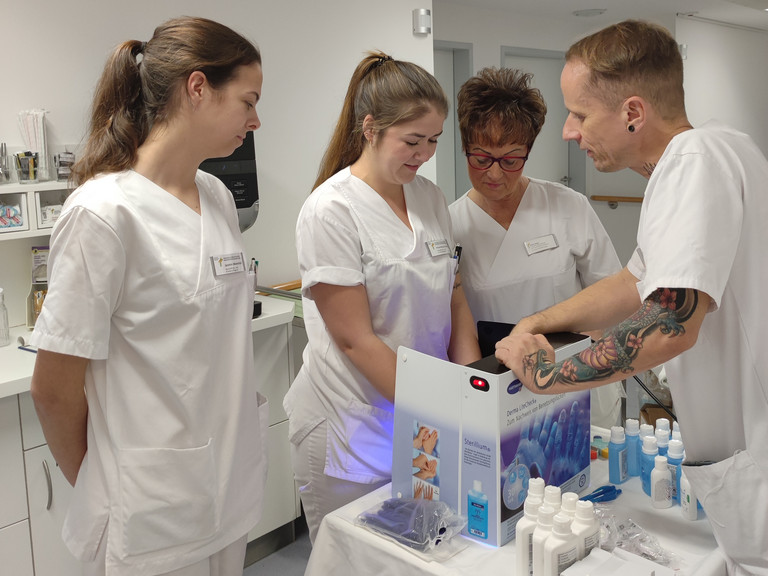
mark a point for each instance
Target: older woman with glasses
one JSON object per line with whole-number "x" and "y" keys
{"x": 527, "y": 243}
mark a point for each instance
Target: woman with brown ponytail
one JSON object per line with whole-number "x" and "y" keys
{"x": 144, "y": 381}
{"x": 377, "y": 269}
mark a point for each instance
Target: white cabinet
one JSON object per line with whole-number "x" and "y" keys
{"x": 15, "y": 550}
{"x": 35, "y": 204}
{"x": 48, "y": 493}
{"x": 13, "y": 495}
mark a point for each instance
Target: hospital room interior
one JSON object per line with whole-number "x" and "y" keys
{"x": 309, "y": 50}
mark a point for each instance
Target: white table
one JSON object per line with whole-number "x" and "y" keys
{"x": 342, "y": 548}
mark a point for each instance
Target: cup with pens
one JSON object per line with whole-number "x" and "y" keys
{"x": 28, "y": 168}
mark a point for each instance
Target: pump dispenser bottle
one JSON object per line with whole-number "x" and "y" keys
{"x": 524, "y": 536}
{"x": 632, "y": 432}
{"x": 586, "y": 528}
{"x": 560, "y": 547}
{"x": 540, "y": 534}
{"x": 661, "y": 484}
{"x": 650, "y": 451}
{"x": 618, "y": 470}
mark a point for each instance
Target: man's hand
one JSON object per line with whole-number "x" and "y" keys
{"x": 522, "y": 353}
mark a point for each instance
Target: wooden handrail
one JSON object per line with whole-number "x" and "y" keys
{"x": 293, "y": 285}
{"x": 616, "y": 198}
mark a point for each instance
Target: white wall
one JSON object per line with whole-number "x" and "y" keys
{"x": 726, "y": 76}
{"x": 309, "y": 50}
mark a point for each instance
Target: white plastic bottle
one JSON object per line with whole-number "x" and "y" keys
{"x": 540, "y": 534}
{"x": 586, "y": 528}
{"x": 536, "y": 487}
{"x": 661, "y": 484}
{"x": 568, "y": 504}
{"x": 689, "y": 505}
{"x": 560, "y": 548}
{"x": 675, "y": 453}
{"x": 649, "y": 452}
{"x": 552, "y": 497}
{"x": 5, "y": 331}
{"x": 663, "y": 424}
{"x": 524, "y": 535}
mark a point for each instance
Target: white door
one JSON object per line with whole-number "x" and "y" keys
{"x": 549, "y": 156}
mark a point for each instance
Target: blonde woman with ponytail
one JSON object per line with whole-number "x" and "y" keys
{"x": 376, "y": 260}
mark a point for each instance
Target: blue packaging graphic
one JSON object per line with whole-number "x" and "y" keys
{"x": 493, "y": 436}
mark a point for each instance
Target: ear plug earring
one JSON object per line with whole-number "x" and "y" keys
{"x": 631, "y": 128}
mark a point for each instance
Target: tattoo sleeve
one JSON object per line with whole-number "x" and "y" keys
{"x": 666, "y": 310}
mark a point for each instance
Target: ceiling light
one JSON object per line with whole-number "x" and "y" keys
{"x": 589, "y": 12}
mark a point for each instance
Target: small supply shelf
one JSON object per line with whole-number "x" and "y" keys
{"x": 30, "y": 210}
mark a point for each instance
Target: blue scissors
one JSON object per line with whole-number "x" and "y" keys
{"x": 603, "y": 494}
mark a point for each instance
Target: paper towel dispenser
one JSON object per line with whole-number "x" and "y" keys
{"x": 238, "y": 173}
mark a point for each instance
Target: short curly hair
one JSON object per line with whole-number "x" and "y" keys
{"x": 498, "y": 107}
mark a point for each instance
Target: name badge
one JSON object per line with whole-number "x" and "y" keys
{"x": 438, "y": 247}
{"x": 228, "y": 264}
{"x": 540, "y": 244}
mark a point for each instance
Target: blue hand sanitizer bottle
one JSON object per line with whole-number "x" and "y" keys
{"x": 477, "y": 511}
{"x": 618, "y": 470}
{"x": 650, "y": 451}
{"x": 632, "y": 431}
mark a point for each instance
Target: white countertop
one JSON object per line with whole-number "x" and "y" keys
{"x": 16, "y": 365}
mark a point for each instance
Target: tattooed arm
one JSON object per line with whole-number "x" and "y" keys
{"x": 666, "y": 325}
{"x": 593, "y": 309}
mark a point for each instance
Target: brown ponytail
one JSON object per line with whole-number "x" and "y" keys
{"x": 391, "y": 91}
{"x": 141, "y": 82}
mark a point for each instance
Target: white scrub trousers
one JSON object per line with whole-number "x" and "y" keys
{"x": 226, "y": 562}
{"x": 321, "y": 494}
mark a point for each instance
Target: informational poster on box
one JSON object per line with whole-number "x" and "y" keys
{"x": 472, "y": 437}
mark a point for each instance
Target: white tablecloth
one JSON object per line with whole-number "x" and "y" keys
{"x": 341, "y": 548}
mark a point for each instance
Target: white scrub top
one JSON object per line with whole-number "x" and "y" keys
{"x": 554, "y": 247}
{"x": 347, "y": 235}
{"x": 504, "y": 278}
{"x": 703, "y": 226}
{"x": 176, "y": 467}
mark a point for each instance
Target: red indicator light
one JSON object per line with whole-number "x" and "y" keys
{"x": 479, "y": 383}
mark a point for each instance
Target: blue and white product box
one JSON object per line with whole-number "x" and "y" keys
{"x": 472, "y": 436}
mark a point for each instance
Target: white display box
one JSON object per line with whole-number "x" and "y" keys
{"x": 486, "y": 436}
